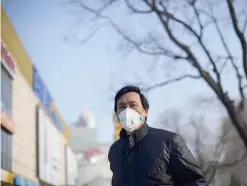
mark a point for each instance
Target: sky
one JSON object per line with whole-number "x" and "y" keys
{"x": 79, "y": 76}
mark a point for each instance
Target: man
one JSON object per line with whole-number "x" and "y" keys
{"x": 145, "y": 156}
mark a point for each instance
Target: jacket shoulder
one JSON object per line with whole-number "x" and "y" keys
{"x": 165, "y": 134}
{"x": 116, "y": 146}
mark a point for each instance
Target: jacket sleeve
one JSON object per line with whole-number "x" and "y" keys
{"x": 183, "y": 166}
{"x": 109, "y": 159}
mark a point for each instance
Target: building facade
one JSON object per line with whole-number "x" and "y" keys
{"x": 92, "y": 157}
{"x": 83, "y": 138}
{"x": 94, "y": 167}
{"x": 35, "y": 140}
{"x": 84, "y": 132}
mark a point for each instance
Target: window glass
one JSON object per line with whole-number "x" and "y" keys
{"x": 10, "y": 151}
{"x": 6, "y": 149}
{"x": 2, "y": 147}
{"x": 6, "y": 90}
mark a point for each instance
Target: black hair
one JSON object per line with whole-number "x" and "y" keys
{"x": 127, "y": 89}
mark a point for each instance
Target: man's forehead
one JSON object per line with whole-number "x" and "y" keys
{"x": 129, "y": 97}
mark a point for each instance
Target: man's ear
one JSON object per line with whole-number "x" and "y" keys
{"x": 146, "y": 111}
{"x": 146, "y": 114}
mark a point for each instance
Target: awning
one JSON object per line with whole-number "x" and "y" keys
{"x": 7, "y": 122}
{"x": 21, "y": 181}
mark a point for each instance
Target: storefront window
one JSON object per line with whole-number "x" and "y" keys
{"x": 6, "y": 91}
{"x": 6, "y": 149}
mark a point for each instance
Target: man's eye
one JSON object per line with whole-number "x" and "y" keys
{"x": 133, "y": 105}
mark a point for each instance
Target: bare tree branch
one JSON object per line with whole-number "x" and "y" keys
{"x": 194, "y": 61}
{"x": 214, "y": 166}
{"x": 212, "y": 161}
{"x": 220, "y": 149}
{"x": 245, "y": 26}
{"x": 230, "y": 57}
{"x": 135, "y": 10}
{"x": 91, "y": 34}
{"x": 197, "y": 13}
{"x": 240, "y": 34}
{"x": 230, "y": 164}
{"x": 137, "y": 45}
{"x": 217, "y": 153}
{"x": 213, "y": 79}
{"x": 169, "y": 16}
{"x": 223, "y": 66}
{"x": 110, "y": 2}
{"x": 187, "y": 76}
{"x": 216, "y": 86}
{"x": 198, "y": 140}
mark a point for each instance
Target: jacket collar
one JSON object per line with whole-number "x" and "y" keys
{"x": 137, "y": 136}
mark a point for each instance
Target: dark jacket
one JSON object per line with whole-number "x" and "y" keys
{"x": 153, "y": 157}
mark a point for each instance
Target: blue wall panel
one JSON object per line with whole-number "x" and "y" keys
{"x": 45, "y": 98}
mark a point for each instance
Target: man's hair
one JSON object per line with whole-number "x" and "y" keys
{"x": 131, "y": 88}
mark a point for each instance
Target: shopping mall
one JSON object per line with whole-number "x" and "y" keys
{"x": 35, "y": 140}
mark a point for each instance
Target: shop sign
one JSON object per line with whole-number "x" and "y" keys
{"x": 2, "y": 175}
{"x": 44, "y": 96}
{"x": 6, "y": 176}
{"x": 7, "y": 60}
{"x": 21, "y": 181}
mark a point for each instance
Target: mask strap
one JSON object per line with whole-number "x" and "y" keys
{"x": 143, "y": 118}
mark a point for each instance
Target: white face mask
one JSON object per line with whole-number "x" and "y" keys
{"x": 130, "y": 119}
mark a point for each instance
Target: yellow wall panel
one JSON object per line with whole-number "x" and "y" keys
{"x": 67, "y": 133}
{"x": 65, "y": 128}
{"x": 118, "y": 127}
{"x": 15, "y": 47}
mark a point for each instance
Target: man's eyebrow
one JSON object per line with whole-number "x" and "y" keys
{"x": 121, "y": 103}
{"x": 131, "y": 102}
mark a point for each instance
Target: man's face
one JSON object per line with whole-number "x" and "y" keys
{"x": 131, "y": 100}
